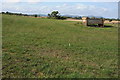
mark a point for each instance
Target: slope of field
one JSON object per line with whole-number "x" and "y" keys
{"x": 47, "y": 48}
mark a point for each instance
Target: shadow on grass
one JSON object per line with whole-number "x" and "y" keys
{"x": 99, "y": 26}
{"x": 108, "y": 26}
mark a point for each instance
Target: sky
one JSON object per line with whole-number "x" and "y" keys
{"x": 108, "y": 9}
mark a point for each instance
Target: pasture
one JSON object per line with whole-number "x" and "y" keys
{"x": 49, "y": 48}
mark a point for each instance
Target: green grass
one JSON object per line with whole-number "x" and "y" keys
{"x": 49, "y": 48}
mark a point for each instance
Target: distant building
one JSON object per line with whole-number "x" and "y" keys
{"x": 91, "y": 21}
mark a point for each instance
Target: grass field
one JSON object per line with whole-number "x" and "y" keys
{"x": 49, "y": 48}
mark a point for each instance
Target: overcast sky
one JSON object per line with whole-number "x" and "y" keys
{"x": 60, "y": 0}
{"x": 68, "y": 7}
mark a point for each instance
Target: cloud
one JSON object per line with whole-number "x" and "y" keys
{"x": 81, "y": 9}
{"x": 63, "y": 8}
{"x": 60, "y": 1}
{"x": 11, "y": 0}
{"x": 24, "y": 0}
{"x": 35, "y": 1}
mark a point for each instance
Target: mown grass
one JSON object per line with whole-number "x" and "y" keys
{"x": 48, "y": 48}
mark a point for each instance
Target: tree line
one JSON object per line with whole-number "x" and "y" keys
{"x": 19, "y": 14}
{"x": 54, "y": 15}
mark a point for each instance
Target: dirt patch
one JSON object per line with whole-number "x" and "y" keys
{"x": 73, "y": 20}
{"x": 112, "y": 22}
{"x": 106, "y": 21}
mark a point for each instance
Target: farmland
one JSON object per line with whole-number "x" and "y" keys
{"x": 50, "y": 48}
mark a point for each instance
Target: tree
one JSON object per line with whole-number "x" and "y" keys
{"x": 110, "y": 20}
{"x": 92, "y": 17}
{"x": 35, "y": 15}
{"x": 78, "y": 17}
{"x": 49, "y": 15}
{"x": 118, "y": 19}
{"x": 54, "y": 14}
{"x": 7, "y": 12}
{"x": 3, "y": 12}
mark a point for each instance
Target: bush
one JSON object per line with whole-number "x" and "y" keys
{"x": 35, "y": 15}
{"x": 61, "y": 17}
{"x": 110, "y": 20}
